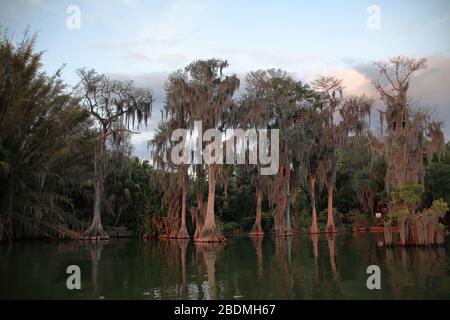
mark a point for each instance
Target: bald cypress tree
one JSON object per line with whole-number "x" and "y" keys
{"x": 116, "y": 107}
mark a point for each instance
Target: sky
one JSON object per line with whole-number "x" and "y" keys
{"x": 146, "y": 40}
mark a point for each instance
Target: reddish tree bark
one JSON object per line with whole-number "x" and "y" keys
{"x": 209, "y": 231}
{"x": 198, "y": 215}
{"x": 280, "y": 193}
{"x": 183, "y": 234}
{"x": 257, "y": 228}
{"x": 312, "y": 185}
{"x": 330, "y": 222}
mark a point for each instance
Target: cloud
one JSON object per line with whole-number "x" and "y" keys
{"x": 140, "y": 43}
{"x": 153, "y": 80}
{"x": 130, "y": 3}
{"x": 354, "y": 81}
{"x": 140, "y": 144}
{"x": 435, "y": 23}
{"x": 14, "y": 10}
{"x": 38, "y": 3}
{"x": 174, "y": 59}
{"x": 135, "y": 56}
{"x": 430, "y": 89}
{"x": 274, "y": 56}
{"x": 170, "y": 60}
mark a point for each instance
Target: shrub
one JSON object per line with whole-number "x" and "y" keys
{"x": 440, "y": 206}
{"x": 267, "y": 221}
{"x": 442, "y": 228}
{"x": 246, "y": 223}
{"x": 231, "y": 227}
{"x": 400, "y": 214}
{"x": 358, "y": 219}
{"x": 304, "y": 219}
{"x": 411, "y": 195}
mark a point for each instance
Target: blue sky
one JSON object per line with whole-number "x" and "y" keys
{"x": 145, "y": 40}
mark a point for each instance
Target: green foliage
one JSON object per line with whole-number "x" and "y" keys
{"x": 359, "y": 220}
{"x": 322, "y": 217}
{"x": 442, "y": 228}
{"x": 304, "y": 219}
{"x": 440, "y": 206}
{"x": 43, "y": 135}
{"x": 245, "y": 224}
{"x": 360, "y": 181}
{"x": 404, "y": 201}
{"x": 411, "y": 195}
{"x": 400, "y": 214}
{"x": 437, "y": 182}
{"x": 231, "y": 227}
{"x": 266, "y": 221}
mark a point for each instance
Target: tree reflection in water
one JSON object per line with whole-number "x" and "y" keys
{"x": 209, "y": 252}
{"x": 330, "y": 239}
{"x": 257, "y": 243}
{"x": 95, "y": 248}
{"x": 302, "y": 267}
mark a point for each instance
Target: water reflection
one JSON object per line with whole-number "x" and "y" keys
{"x": 330, "y": 240}
{"x": 257, "y": 243}
{"x": 96, "y": 248}
{"x": 315, "y": 245}
{"x": 309, "y": 267}
{"x": 209, "y": 253}
{"x": 183, "y": 244}
{"x": 280, "y": 266}
{"x": 412, "y": 268}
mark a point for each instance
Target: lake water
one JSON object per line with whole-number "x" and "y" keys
{"x": 302, "y": 267}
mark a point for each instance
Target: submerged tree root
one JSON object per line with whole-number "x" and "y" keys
{"x": 331, "y": 229}
{"x": 256, "y": 231}
{"x": 94, "y": 235}
{"x": 313, "y": 230}
{"x": 95, "y": 230}
{"x": 256, "y": 234}
{"x": 210, "y": 237}
{"x": 285, "y": 234}
{"x": 183, "y": 234}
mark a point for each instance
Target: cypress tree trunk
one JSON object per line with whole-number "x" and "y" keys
{"x": 95, "y": 230}
{"x": 439, "y": 237}
{"x": 183, "y": 234}
{"x": 199, "y": 216}
{"x": 279, "y": 227}
{"x": 279, "y": 224}
{"x": 330, "y": 222}
{"x": 402, "y": 228}
{"x": 210, "y": 226}
{"x": 312, "y": 185}
{"x": 209, "y": 232}
{"x": 287, "y": 219}
{"x": 257, "y": 228}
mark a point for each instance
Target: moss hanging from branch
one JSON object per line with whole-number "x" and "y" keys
{"x": 404, "y": 145}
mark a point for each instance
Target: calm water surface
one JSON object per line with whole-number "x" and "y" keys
{"x": 303, "y": 267}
